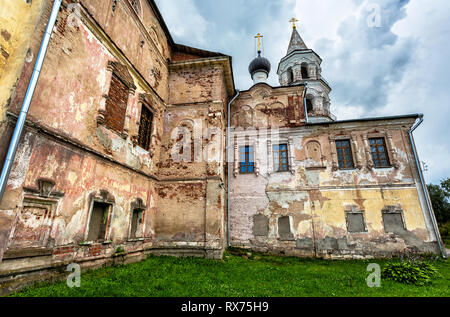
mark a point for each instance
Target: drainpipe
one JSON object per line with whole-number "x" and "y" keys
{"x": 229, "y": 167}
{"x": 304, "y": 103}
{"x": 424, "y": 188}
{"x": 29, "y": 95}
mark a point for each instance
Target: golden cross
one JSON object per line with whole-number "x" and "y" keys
{"x": 293, "y": 20}
{"x": 259, "y": 36}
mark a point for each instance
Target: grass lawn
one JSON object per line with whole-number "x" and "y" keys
{"x": 236, "y": 276}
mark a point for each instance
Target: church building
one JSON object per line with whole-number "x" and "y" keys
{"x": 135, "y": 145}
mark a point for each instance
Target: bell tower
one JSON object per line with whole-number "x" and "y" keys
{"x": 302, "y": 65}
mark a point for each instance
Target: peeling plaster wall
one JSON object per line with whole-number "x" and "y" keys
{"x": 68, "y": 159}
{"x": 315, "y": 194}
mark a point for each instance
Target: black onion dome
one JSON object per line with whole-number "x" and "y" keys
{"x": 259, "y": 64}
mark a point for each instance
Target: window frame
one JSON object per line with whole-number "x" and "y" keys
{"x": 280, "y": 170}
{"x": 108, "y": 221}
{"x": 150, "y": 132}
{"x": 342, "y": 148}
{"x": 141, "y": 234}
{"x": 378, "y": 153}
{"x": 393, "y": 210}
{"x": 108, "y": 105}
{"x": 247, "y": 159}
{"x": 353, "y": 212}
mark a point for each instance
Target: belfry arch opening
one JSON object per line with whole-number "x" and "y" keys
{"x": 304, "y": 71}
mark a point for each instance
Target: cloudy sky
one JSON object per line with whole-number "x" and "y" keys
{"x": 394, "y": 62}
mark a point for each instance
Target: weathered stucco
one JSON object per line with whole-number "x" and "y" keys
{"x": 70, "y": 160}
{"x": 314, "y": 193}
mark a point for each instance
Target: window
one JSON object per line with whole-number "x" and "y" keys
{"x": 280, "y": 158}
{"x": 137, "y": 218}
{"x": 284, "y": 228}
{"x": 379, "y": 153}
{"x": 290, "y": 75}
{"x": 98, "y": 221}
{"x": 393, "y": 221}
{"x": 355, "y": 222}
{"x": 145, "y": 128}
{"x": 247, "y": 160}
{"x": 116, "y": 104}
{"x": 304, "y": 71}
{"x": 344, "y": 154}
{"x": 309, "y": 104}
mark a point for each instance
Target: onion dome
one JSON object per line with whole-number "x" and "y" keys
{"x": 259, "y": 64}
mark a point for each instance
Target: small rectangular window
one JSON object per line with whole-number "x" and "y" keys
{"x": 355, "y": 222}
{"x": 284, "y": 228}
{"x": 247, "y": 165}
{"x": 280, "y": 158}
{"x": 145, "y": 128}
{"x": 393, "y": 221}
{"x": 136, "y": 223}
{"x": 379, "y": 152}
{"x": 98, "y": 222}
{"x": 344, "y": 154}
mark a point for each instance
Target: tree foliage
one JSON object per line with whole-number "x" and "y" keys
{"x": 440, "y": 198}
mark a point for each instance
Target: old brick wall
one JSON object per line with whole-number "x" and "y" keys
{"x": 315, "y": 195}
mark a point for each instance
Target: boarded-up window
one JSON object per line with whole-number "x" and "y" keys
{"x": 344, "y": 154}
{"x": 355, "y": 222}
{"x": 116, "y": 105}
{"x": 280, "y": 158}
{"x": 284, "y": 228}
{"x": 379, "y": 152}
{"x": 260, "y": 225}
{"x": 137, "y": 219}
{"x": 145, "y": 128}
{"x": 393, "y": 221}
{"x": 98, "y": 222}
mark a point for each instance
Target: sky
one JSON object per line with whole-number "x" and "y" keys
{"x": 381, "y": 57}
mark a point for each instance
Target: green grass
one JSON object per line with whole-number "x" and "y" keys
{"x": 236, "y": 276}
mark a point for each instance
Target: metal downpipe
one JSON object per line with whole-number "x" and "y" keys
{"x": 229, "y": 166}
{"x": 28, "y": 97}
{"x": 424, "y": 188}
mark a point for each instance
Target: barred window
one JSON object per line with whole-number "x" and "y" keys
{"x": 280, "y": 158}
{"x": 379, "y": 152}
{"x": 145, "y": 128}
{"x": 344, "y": 154}
{"x": 247, "y": 160}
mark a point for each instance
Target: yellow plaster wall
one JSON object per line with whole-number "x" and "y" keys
{"x": 17, "y": 24}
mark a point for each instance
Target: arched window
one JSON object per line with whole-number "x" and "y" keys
{"x": 304, "y": 70}
{"x": 290, "y": 75}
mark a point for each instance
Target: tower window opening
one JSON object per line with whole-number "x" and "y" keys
{"x": 309, "y": 104}
{"x": 304, "y": 71}
{"x": 290, "y": 75}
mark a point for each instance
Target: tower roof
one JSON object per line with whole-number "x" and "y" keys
{"x": 296, "y": 42}
{"x": 259, "y": 64}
